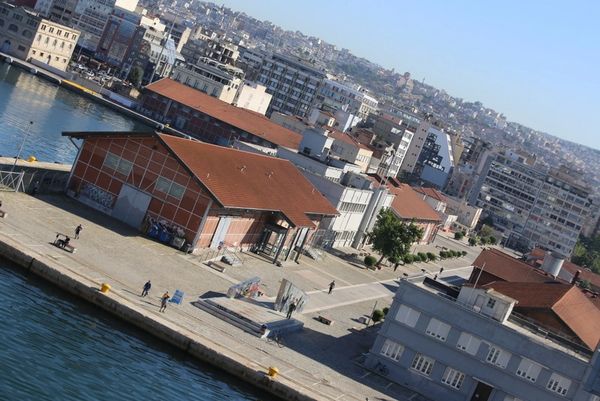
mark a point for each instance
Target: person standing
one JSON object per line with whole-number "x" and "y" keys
{"x": 331, "y": 286}
{"x": 291, "y": 309}
{"x": 163, "y": 301}
{"x": 78, "y": 230}
{"x": 146, "y": 288}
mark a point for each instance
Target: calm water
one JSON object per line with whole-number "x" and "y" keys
{"x": 25, "y": 97}
{"x": 53, "y": 347}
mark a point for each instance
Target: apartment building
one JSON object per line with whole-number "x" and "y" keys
{"x": 292, "y": 82}
{"x": 212, "y": 47}
{"x": 471, "y": 345}
{"x": 436, "y": 160}
{"x": 28, "y": 36}
{"x": 347, "y": 97}
{"x": 533, "y": 205}
{"x": 211, "y": 77}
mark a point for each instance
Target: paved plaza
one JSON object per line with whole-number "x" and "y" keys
{"x": 322, "y": 357}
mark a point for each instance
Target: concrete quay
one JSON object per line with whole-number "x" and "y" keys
{"x": 317, "y": 363}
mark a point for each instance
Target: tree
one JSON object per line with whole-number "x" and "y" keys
{"x": 458, "y": 235}
{"x": 370, "y": 261}
{"x": 485, "y": 231}
{"x": 472, "y": 241}
{"x": 492, "y": 240}
{"x": 431, "y": 256}
{"x": 135, "y": 76}
{"x": 378, "y": 315}
{"x": 483, "y": 240}
{"x": 391, "y": 237}
{"x": 422, "y": 256}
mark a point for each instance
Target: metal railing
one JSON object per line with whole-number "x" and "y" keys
{"x": 12, "y": 181}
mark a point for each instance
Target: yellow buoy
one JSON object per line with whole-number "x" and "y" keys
{"x": 105, "y": 288}
{"x": 273, "y": 372}
{"x": 32, "y": 159}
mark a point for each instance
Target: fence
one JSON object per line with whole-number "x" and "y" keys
{"x": 12, "y": 181}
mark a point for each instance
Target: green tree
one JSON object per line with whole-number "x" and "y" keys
{"x": 391, "y": 237}
{"x": 472, "y": 241}
{"x": 370, "y": 261}
{"x": 458, "y": 235}
{"x": 135, "y": 76}
{"x": 492, "y": 240}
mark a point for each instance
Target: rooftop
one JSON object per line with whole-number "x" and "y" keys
{"x": 344, "y": 137}
{"x": 507, "y": 268}
{"x": 253, "y": 123}
{"x": 408, "y": 204}
{"x": 431, "y": 192}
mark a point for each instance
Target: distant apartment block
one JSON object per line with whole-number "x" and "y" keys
{"x": 292, "y": 82}
{"x": 533, "y": 205}
{"x": 211, "y": 77}
{"x": 350, "y": 98}
{"x": 28, "y": 36}
{"x": 470, "y": 345}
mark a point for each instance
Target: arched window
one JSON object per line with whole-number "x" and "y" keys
{"x": 26, "y": 33}
{"x": 13, "y": 28}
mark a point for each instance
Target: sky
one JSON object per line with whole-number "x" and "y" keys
{"x": 538, "y": 62}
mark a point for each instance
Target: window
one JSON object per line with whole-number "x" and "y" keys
{"x": 21, "y": 48}
{"x": 51, "y": 30}
{"x": 422, "y": 364}
{"x": 116, "y": 163}
{"x": 13, "y": 28}
{"x": 169, "y": 187}
{"x": 392, "y": 349}
{"x": 491, "y": 303}
{"x": 497, "y": 356}
{"x": 529, "y": 370}
{"x": 43, "y": 27}
{"x": 438, "y": 329}
{"x": 453, "y": 378}
{"x": 407, "y": 315}
{"x": 468, "y": 343}
{"x": 558, "y": 384}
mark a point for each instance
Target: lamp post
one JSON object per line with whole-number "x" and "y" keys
{"x": 22, "y": 145}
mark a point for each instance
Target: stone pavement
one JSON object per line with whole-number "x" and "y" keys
{"x": 320, "y": 357}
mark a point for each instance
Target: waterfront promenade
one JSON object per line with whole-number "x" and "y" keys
{"x": 317, "y": 363}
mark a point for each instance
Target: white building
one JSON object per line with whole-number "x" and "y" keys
{"x": 213, "y": 78}
{"x": 253, "y": 96}
{"x": 350, "y": 98}
{"x": 28, "y": 36}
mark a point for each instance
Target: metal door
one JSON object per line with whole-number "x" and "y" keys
{"x": 220, "y": 232}
{"x": 482, "y": 392}
{"x": 131, "y": 206}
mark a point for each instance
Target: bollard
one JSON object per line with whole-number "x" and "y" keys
{"x": 105, "y": 288}
{"x": 273, "y": 372}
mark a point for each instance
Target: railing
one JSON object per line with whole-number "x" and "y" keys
{"x": 12, "y": 181}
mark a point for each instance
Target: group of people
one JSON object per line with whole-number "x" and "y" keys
{"x": 62, "y": 243}
{"x": 163, "y": 300}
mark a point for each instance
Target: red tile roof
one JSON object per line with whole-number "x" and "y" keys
{"x": 246, "y": 120}
{"x": 245, "y": 180}
{"x": 567, "y": 302}
{"x": 431, "y": 192}
{"x": 538, "y": 255}
{"x": 507, "y": 268}
{"x": 408, "y": 204}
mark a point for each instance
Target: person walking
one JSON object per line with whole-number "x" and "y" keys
{"x": 291, "y": 309}
{"x": 331, "y": 286}
{"x": 163, "y": 301}
{"x": 146, "y": 288}
{"x": 78, "y": 230}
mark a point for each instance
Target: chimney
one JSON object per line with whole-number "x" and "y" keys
{"x": 576, "y": 277}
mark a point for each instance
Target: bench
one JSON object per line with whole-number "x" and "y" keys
{"x": 325, "y": 320}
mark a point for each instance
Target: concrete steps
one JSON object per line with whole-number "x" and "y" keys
{"x": 249, "y": 316}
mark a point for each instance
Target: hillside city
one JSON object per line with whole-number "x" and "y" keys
{"x": 346, "y": 231}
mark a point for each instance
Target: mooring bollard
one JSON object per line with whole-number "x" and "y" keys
{"x": 273, "y": 372}
{"x": 105, "y": 288}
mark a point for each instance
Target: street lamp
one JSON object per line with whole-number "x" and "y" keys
{"x": 22, "y": 145}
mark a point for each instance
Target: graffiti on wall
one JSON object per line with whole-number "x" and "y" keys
{"x": 246, "y": 289}
{"x": 97, "y": 195}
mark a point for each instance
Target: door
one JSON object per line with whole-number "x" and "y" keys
{"x": 220, "y": 232}
{"x": 131, "y": 206}
{"x": 482, "y": 392}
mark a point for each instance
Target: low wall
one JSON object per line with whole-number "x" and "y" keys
{"x": 187, "y": 341}
{"x": 51, "y": 177}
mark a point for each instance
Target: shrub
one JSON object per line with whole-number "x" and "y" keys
{"x": 443, "y": 254}
{"x": 492, "y": 240}
{"x": 422, "y": 256}
{"x": 483, "y": 240}
{"x": 408, "y": 259}
{"x": 458, "y": 235}
{"x": 378, "y": 315}
{"x": 472, "y": 241}
{"x": 431, "y": 256}
{"x": 451, "y": 253}
{"x": 464, "y": 253}
{"x": 370, "y": 261}
{"x": 385, "y": 310}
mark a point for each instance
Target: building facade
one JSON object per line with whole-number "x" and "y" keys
{"x": 26, "y": 35}
{"x": 210, "y": 77}
{"x": 340, "y": 96}
{"x": 468, "y": 346}
{"x": 532, "y": 205}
